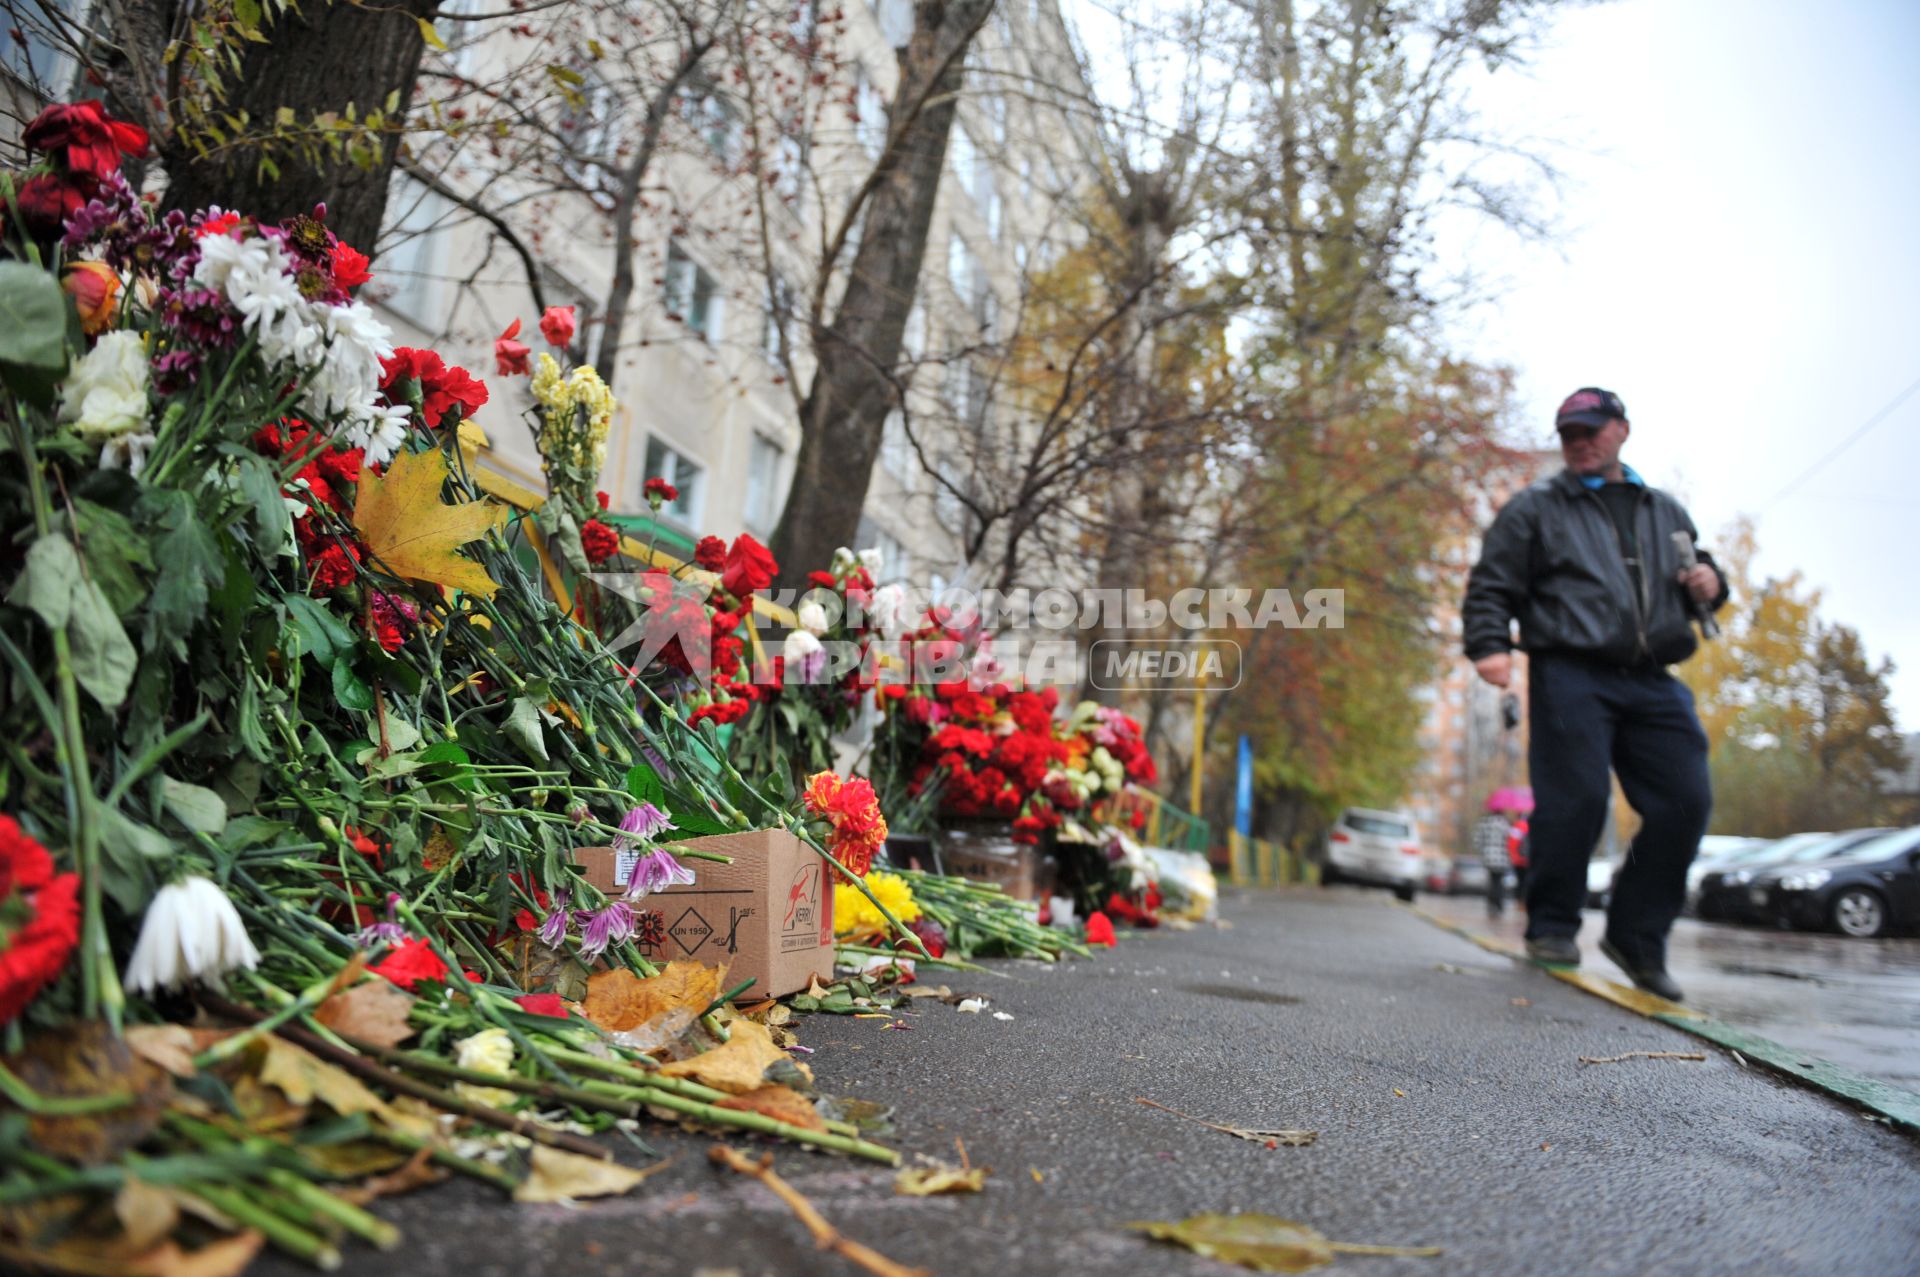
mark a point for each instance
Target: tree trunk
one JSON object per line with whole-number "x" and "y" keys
{"x": 846, "y": 407}
{"x": 326, "y": 57}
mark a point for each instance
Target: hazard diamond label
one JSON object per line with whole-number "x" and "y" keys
{"x": 690, "y": 930}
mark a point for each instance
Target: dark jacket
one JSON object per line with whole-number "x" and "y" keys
{"x": 1554, "y": 561}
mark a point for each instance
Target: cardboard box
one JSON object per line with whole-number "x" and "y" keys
{"x": 768, "y": 915}
{"x": 1022, "y": 870}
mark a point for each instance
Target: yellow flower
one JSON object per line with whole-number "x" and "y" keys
{"x": 488, "y": 1051}
{"x": 854, "y": 914}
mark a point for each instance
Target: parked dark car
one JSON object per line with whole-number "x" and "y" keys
{"x": 1871, "y": 890}
{"x": 1469, "y": 877}
{"x": 1726, "y": 895}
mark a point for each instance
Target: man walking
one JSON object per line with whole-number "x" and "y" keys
{"x": 1587, "y": 563}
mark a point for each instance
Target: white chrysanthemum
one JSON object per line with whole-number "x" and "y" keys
{"x": 380, "y": 430}
{"x": 488, "y": 1051}
{"x": 106, "y": 393}
{"x": 799, "y": 646}
{"x": 191, "y": 932}
{"x": 812, "y": 618}
{"x": 873, "y": 560}
{"x": 842, "y": 561}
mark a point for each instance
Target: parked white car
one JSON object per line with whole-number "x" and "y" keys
{"x": 1378, "y": 848}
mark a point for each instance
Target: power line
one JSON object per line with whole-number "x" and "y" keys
{"x": 1846, "y": 443}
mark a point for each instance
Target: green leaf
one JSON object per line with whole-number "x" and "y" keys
{"x": 350, "y": 689}
{"x": 318, "y": 631}
{"x": 117, "y": 556}
{"x": 103, "y": 656}
{"x": 46, "y": 582}
{"x": 199, "y": 809}
{"x": 257, "y": 483}
{"x": 190, "y": 564}
{"x": 246, "y": 14}
{"x": 252, "y": 831}
{"x": 33, "y": 319}
{"x": 644, "y": 784}
{"x": 431, "y": 36}
{"x": 458, "y": 764}
{"x": 523, "y": 725}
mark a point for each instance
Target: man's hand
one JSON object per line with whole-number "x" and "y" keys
{"x": 1702, "y": 582}
{"x": 1496, "y": 669}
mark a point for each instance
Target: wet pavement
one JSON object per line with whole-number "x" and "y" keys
{"x": 1854, "y": 1002}
{"x": 1445, "y": 1083}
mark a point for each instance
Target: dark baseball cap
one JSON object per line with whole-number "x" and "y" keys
{"x": 1590, "y": 406}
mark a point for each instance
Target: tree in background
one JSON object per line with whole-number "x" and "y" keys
{"x": 1796, "y": 714}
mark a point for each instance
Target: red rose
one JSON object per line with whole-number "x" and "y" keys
{"x": 556, "y": 325}
{"x": 349, "y": 266}
{"x": 749, "y": 567}
{"x": 543, "y": 1004}
{"x": 711, "y": 553}
{"x": 85, "y": 136}
{"x": 412, "y": 961}
{"x": 510, "y": 356}
{"x": 94, "y": 288}
{"x": 599, "y": 541}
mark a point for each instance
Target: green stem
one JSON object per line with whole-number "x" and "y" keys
{"x": 287, "y": 1235}
{"x": 31, "y": 1101}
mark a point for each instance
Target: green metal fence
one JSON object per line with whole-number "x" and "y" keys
{"x": 1255, "y": 862}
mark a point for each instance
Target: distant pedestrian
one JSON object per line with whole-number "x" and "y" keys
{"x": 1587, "y": 563}
{"x": 1490, "y": 839}
{"x": 1518, "y": 846}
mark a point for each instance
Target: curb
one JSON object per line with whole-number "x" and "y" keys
{"x": 1894, "y": 1105}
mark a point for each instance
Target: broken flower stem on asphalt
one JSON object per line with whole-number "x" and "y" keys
{"x": 825, "y": 1235}
{"x": 1272, "y": 1139}
{"x": 1643, "y": 1055}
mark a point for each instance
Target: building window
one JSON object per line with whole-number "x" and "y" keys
{"x": 762, "y": 509}
{"x": 690, "y": 295}
{"x": 776, "y": 326}
{"x": 893, "y": 555}
{"x": 996, "y": 210}
{"x": 870, "y": 114}
{"x": 964, "y": 157}
{"x": 914, "y": 340}
{"x": 413, "y": 253}
{"x": 896, "y": 449}
{"x": 789, "y": 166}
{"x": 664, "y": 463}
{"x": 963, "y": 269}
{"x": 36, "y": 51}
{"x": 1020, "y": 253}
{"x": 709, "y": 114}
{"x": 587, "y": 125}
{"x": 997, "y": 113}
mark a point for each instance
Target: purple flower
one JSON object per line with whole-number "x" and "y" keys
{"x": 375, "y": 934}
{"x": 601, "y": 931}
{"x": 641, "y": 824}
{"x": 657, "y": 871}
{"x": 553, "y": 928}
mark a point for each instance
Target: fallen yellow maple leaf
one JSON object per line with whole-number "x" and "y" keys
{"x": 412, "y": 533}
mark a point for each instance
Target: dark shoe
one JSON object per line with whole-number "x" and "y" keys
{"x": 1652, "y": 979}
{"x": 1559, "y": 951}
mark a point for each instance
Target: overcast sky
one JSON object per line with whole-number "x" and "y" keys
{"x": 1742, "y": 266}
{"x": 1740, "y": 262}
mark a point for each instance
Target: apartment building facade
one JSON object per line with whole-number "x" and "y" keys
{"x": 714, "y": 354}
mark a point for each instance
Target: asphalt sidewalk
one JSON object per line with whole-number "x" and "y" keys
{"x": 1445, "y": 1083}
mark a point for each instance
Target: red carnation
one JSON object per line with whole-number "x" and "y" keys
{"x": 1100, "y": 929}
{"x": 349, "y": 266}
{"x": 556, "y": 325}
{"x": 47, "y": 201}
{"x": 825, "y": 580}
{"x": 543, "y": 1004}
{"x": 442, "y": 385}
{"x": 85, "y": 136}
{"x": 749, "y": 567}
{"x": 510, "y": 356}
{"x": 659, "y": 492}
{"x": 601, "y": 497}
{"x": 42, "y": 911}
{"x": 599, "y": 541}
{"x": 711, "y": 553}
{"x": 411, "y": 961}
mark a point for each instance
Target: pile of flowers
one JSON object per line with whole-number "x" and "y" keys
{"x": 300, "y": 750}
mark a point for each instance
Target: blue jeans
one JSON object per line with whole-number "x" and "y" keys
{"x": 1585, "y": 718}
